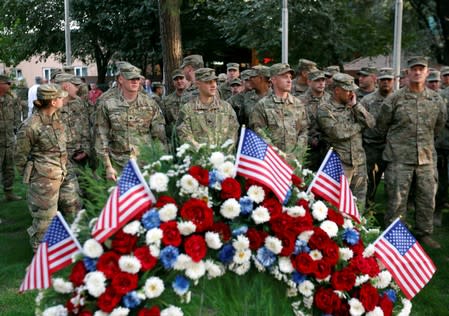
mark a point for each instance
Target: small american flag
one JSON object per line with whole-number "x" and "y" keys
{"x": 404, "y": 257}
{"x": 130, "y": 197}
{"x": 332, "y": 185}
{"x": 258, "y": 161}
{"x": 54, "y": 253}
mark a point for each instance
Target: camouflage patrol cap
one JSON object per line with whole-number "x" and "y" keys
{"x": 417, "y": 60}
{"x": 63, "y": 77}
{"x": 444, "y": 70}
{"x": 280, "y": 69}
{"x": 157, "y": 84}
{"x": 234, "y": 66}
{"x": 433, "y": 76}
{"x": 222, "y": 77}
{"x": 76, "y": 81}
{"x": 344, "y": 81}
{"x": 366, "y": 71}
{"x": 235, "y": 82}
{"x": 50, "y": 91}
{"x": 55, "y": 71}
{"x": 385, "y": 73}
{"x": 177, "y": 73}
{"x": 261, "y": 70}
{"x": 305, "y": 64}
{"x": 194, "y": 60}
{"x": 246, "y": 74}
{"x": 316, "y": 74}
{"x": 331, "y": 70}
{"x": 129, "y": 71}
{"x": 403, "y": 73}
{"x": 205, "y": 74}
{"x": 5, "y": 79}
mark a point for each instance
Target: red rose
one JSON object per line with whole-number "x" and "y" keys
{"x": 85, "y": 313}
{"x": 108, "y": 264}
{"x": 195, "y": 247}
{"x": 273, "y": 206}
{"x": 331, "y": 252}
{"x": 304, "y": 204}
{"x": 358, "y": 248}
{"x": 123, "y": 282}
{"x": 171, "y": 235}
{"x": 108, "y": 300}
{"x": 153, "y": 311}
{"x": 163, "y": 200}
{"x": 200, "y": 174}
{"x": 280, "y": 223}
{"x": 297, "y": 181}
{"x": 368, "y": 296}
{"x": 147, "y": 261}
{"x": 288, "y": 243}
{"x": 223, "y": 230}
{"x": 341, "y": 309}
{"x": 318, "y": 239}
{"x": 343, "y": 280}
{"x": 336, "y": 217}
{"x": 70, "y": 307}
{"x": 199, "y": 213}
{"x": 386, "y": 304}
{"x": 323, "y": 270}
{"x": 326, "y": 300}
{"x": 124, "y": 243}
{"x": 256, "y": 238}
{"x": 361, "y": 265}
{"x": 78, "y": 273}
{"x": 230, "y": 189}
{"x": 303, "y": 263}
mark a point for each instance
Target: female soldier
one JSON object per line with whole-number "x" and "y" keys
{"x": 41, "y": 158}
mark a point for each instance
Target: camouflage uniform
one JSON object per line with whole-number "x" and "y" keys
{"x": 442, "y": 148}
{"x": 410, "y": 121}
{"x": 83, "y": 91}
{"x": 304, "y": 67}
{"x": 365, "y": 71}
{"x": 170, "y": 106}
{"x": 225, "y": 88}
{"x": 22, "y": 94}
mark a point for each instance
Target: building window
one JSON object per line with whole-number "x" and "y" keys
{"x": 80, "y": 71}
{"x": 19, "y": 74}
{"x": 46, "y": 73}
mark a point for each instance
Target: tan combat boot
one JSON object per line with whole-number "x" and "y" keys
{"x": 10, "y": 196}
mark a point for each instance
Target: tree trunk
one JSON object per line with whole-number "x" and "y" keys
{"x": 442, "y": 11}
{"x": 102, "y": 61}
{"x": 170, "y": 26}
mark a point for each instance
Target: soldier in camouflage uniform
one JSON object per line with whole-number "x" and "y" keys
{"x": 237, "y": 101}
{"x": 313, "y": 98}
{"x": 444, "y": 72}
{"x": 41, "y": 158}
{"x": 342, "y": 121}
{"x": 125, "y": 120}
{"x": 207, "y": 119}
{"x": 373, "y": 143}
{"x": 280, "y": 118}
{"x": 189, "y": 65}
{"x": 158, "y": 91}
{"x": 300, "y": 84}
{"x": 330, "y": 71}
{"x": 21, "y": 91}
{"x": 433, "y": 80}
{"x": 232, "y": 72}
{"x": 9, "y": 122}
{"x": 367, "y": 81}
{"x": 410, "y": 119}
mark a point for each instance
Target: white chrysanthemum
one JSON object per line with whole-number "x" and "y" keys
{"x": 182, "y": 262}
{"x": 230, "y": 209}
{"x": 242, "y": 256}
{"x": 154, "y": 236}
{"x": 382, "y": 280}
{"x": 132, "y": 228}
{"x": 159, "y": 182}
{"x": 369, "y": 251}
{"x": 95, "y": 283}
{"x": 256, "y": 193}
{"x": 241, "y": 243}
{"x": 348, "y": 224}
{"x": 356, "y": 307}
{"x": 217, "y": 159}
{"x": 129, "y": 264}
{"x": 181, "y": 150}
{"x": 166, "y": 158}
{"x": 360, "y": 279}
{"x": 296, "y": 211}
{"x": 186, "y": 228}
{"x": 214, "y": 270}
{"x": 330, "y": 228}
{"x": 303, "y": 196}
{"x": 316, "y": 255}
{"x": 100, "y": 313}
{"x": 241, "y": 269}
{"x": 213, "y": 240}
{"x": 57, "y": 310}
{"x": 406, "y": 307}
{"x": 62, "y": 286}
{"x": 260, "y": 215}
{"x": 195, "y": 270}
{"x": 153, "y": 287}
{"x": 273, "y": 244}
{"x": 92, "y": 248}
{"x": 305, "y": 235}
{"x": 189, "y": 184}
{"x": 319, "y": 211}
{"x": 292, "y": 291}
{"x": 172, "y": 311}
{"x": 227, "y": 169}
{"x": 306, "y": 288}
{"x": 377, "y": 311}
{"x": 345, "y": 253}
{"x": 285, "y": 265}
{"x": 155, "y": 250}
{"x": 308, "y": 302}
{"x": 119, "y": 311}
{"x": 168, "y": 212}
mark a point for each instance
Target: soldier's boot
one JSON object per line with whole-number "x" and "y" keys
{"x": 10, "y": 196}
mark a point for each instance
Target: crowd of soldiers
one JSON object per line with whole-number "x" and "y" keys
{"x": 402, "y": 135}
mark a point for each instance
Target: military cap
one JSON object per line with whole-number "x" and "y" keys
{"x": 444, "y": 70}
{"x": 385, "y": 73}
{"x": 177, "y": 73}
{"x": 157, "y": 84}
{"x": 50, "y": 91}
{"x": 54, "y": 72}
{"x": 316, "y": 74}
{"x": 222, "y": 77}
{"x": 403, "y": 73}
{"x": 205, "y": 74}
{"x": 331, "y": 70}
{"x": 235, "y": 81}
{"x": 433, "y": 76}
{"x": 194, "y": 60}
{"x": 280, "y": 69}
{"x": 262, "y": 70}
{"x": 63, "y": 77}
{"x": 234, "y": 66}
{"x": 246, "y": 74}
{"x": 305, "y": 64}
{"x": 5, "y": 79}
{"x": 344, "y": 81}
{"x": 366, "y": 71}
{"x": 417, "y": 60}
{"x": 76, "y": 80}
{"x": 129, "y": 71}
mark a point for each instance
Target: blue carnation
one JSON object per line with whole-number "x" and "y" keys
{"x": 226, "y": 254}
{"x": 214, "y": 178}
{"x": 351, "y": 236}
{"x": 90, "y": 264}
{"x": 298, "y": 278}
{"x": 241, "y": 230}
{"x": 246, "y": 205}
{"x": 265, "y": 257}
{"x": 391, "y": 295}
{"x": 151, "y": 219}
{"x": 168, "y": 256}
{"x": 301, "y": 246}
{"x": 131, "y": 300}
{"x": 180, "y": 285}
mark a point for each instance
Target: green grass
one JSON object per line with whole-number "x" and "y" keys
{"x": 244, "y": 295}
